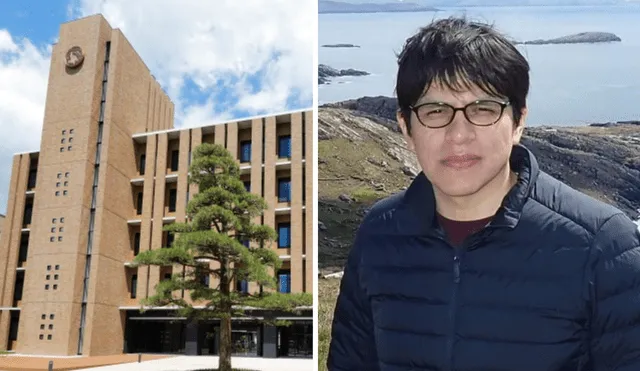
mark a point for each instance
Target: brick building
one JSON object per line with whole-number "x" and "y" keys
{"x": 110, "y": 172}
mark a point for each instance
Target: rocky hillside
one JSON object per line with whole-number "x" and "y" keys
{"x": 603, "y": 161}
{"x": 325, "y": 73}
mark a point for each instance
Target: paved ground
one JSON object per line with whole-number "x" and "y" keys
{"x": 10, "y": 362}
{"x": 188, "y": 363}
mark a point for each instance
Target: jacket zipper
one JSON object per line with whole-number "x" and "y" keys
{"x": 458, "y": 252}
{"x": 454, "y": 304}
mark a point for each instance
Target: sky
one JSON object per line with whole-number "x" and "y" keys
{"x": 217, "y": 60}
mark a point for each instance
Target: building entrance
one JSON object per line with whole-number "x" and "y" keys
{"x": 296, "y": 340}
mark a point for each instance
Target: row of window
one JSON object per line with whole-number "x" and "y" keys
{"x": 283, "y": 151}
{"x": 284, "y": 189}
{"x": 173, "y": 199}
{"x": 284, "y": 195}
{"x": 284, "y": 282}
{"x": 283, "y": 229}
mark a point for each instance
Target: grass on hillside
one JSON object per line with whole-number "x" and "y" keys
{"x": 365, "y": 173}
{"x": 344, "y": 167}
{"x": 327, "y": 294}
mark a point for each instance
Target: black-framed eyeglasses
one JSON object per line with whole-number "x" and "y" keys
{"x": 480, "y": 113}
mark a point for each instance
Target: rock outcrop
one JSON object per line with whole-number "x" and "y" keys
{"x": 340, "y": 46}
{"x": 325, "y": 73}
{"x": 579, "y": 38}
{"x": 327, "y": 6}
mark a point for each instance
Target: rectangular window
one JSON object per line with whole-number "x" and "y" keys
{"x": 143, "y": 163}
{"x": 284, "y": 281}
{"x": 28, "y": 211}
{"x": 139, "y": 203}
{"x": 136, "y": 244}
{"x": 13, "y": 327}
{"x": 175, "y": 158}
{"x": 167, "y": 276}
{"x": 32, "y": 178}
{"x": 247, "y": 185}
{"x": 170, "y": 238}
{"x": 242, "y": 286}
{"x": 173, "y": 197}
{"x": 19, "y": 285}
{"x": 24, "y": 248}
{"x": 134, "y": 286}
{"x": 245, "y": 151}
{"x": 284, "y": 235}
{"x": 284, "y": 190}
{"x": 284, "y": 146}
{"x": 203, "y": 277}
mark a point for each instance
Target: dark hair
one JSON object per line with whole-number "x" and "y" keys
{"x": 458, "y": 53}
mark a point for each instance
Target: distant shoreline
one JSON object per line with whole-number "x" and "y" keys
{"x": 379, "y": 11}
{"x": 385, "y": 107}
{"x": 462, "y": 7}
{"x": 341, "y": 7}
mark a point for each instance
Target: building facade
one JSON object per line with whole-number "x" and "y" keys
{"x": 1, "y": 224}
{"x": 110, "y": 173}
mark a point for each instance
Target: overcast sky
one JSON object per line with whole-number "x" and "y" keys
{"x": 217, "y": 60}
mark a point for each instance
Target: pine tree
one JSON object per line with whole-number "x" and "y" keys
{"x": 219, "y": 223}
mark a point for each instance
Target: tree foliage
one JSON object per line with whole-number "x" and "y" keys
{"x": 220, "y": 217}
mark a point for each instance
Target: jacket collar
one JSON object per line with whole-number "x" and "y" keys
{"x": 416, "y": 214}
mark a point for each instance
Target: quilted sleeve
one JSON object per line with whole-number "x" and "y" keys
{"x": 352, "y": 344}
{"x": 615, "y": 293}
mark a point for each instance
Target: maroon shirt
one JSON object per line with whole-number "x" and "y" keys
{"x": 457, "y": 231}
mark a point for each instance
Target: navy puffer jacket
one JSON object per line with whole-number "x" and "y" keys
{"x": 551, "y": 284}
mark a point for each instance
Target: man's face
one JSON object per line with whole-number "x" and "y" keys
{"x": 461, "y": 158}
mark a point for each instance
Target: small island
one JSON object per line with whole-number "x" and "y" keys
{"x": 325, "y": 73}
{"x": 579, "y": 38}
{"x": 337, "y": 7}
{"x": 340, "y": 46}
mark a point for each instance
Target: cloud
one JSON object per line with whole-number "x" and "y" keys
{"x": 245, "y": 57}
{"x": 24, "y": 71}
{"x": 217, "y": 60}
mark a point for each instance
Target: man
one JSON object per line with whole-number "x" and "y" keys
{"x": 485, "y": 262}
